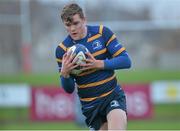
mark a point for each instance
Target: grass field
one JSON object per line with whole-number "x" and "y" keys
{"x": 166, "y": 116}
{"x": 125, "y": 76}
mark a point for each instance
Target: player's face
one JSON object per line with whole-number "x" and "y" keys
{"x": 76, "y": 28}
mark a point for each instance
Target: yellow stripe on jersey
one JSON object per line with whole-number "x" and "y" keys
{"x": 93, "y": 98}
{"x": 58, "y": 60}
{"x": 111, "y": 39}
{"x": 101, "y": 29}
{"x": 87, "y": 72}
{"x": 97, "y": 83}
{"x": 99, "y": 52}
{"x": 119, "y": 51}
{"x": 94, "y": 37}
{"x": 63, "y": 46}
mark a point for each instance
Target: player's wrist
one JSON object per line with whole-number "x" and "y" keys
{"x": 65, "y": 75}
{"x": 100, "y": 64}
{"x": 107, "y": 64}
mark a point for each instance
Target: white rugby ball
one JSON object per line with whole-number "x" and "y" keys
{"x": 79, "y": 51}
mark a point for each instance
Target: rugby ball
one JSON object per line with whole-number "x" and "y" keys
{"x": 79, "y": 51}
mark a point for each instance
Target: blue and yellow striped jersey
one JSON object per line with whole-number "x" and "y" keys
{"x": 103, "y": 44}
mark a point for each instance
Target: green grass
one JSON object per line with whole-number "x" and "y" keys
{"x": 28, "y": 125}
{"x": 32, "y": 79}
{"x": 146, "y": 76}
{"x": 125, "y": 76}
{"x": 166, "y": 116}
{"x": 154, "y": 125}
{"x": 132, "y": 125}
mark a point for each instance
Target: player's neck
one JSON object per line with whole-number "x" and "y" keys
{"x": 84, "y": 34}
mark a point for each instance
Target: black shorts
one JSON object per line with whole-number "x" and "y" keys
{"x": 96, "y": 114}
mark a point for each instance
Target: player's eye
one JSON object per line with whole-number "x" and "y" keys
{"x": 68, "y": 25}
{"x": 76, "y": 23}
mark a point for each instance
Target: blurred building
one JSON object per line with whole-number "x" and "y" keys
{"x": 149, "y": 30}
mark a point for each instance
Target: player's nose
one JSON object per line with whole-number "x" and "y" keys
{"x": 72, "y": 28}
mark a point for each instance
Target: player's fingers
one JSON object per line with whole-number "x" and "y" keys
{"x": 90, "y": 55}
{"x": 71, "y": 58}
{"x": 75, "y": 60}
{"x": 86, "y": 68}
{"x": 68, "y": 54}
{"x": 64, "y": 56}
{"x": 72, "y": 67}
{"x": 86, "y": 65}
{"x": 88, "y": 60}
{"x": 68, "y": 60}
{"x": 64, "y": 60}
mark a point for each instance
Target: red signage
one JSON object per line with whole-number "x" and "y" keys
{"x": 51, "y": 103}
{"x": 139, "y": 103}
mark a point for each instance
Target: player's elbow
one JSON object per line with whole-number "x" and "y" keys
{"x": 68, "y": 90}
{"x": 128, "y": 63}
{"x": 68, "y": 84}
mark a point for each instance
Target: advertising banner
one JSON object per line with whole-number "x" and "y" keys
{"x": 165, "y": 91}
{"x": 139, "y": 103}
{"x": 51, "y": 103}
{"x": 14, "y": 95}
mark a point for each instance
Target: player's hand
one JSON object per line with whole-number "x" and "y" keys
{"x": 68, "y": 64}
{"x": 92, "y": 63}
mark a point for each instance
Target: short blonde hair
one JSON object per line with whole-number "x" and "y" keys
{"x": 70, "y": 10}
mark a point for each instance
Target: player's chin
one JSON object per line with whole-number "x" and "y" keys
{"x": 75, "y": 37}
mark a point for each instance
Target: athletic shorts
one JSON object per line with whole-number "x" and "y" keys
{"x": 96, "y": 114}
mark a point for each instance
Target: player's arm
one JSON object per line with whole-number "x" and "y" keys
{"x": 68, "y": 84}
{"x": 120, "y": 58}
{"x": 65, "y": 64}
{"x": 120, "y": 62}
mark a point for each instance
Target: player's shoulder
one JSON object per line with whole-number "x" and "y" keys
{"x": 98, "y": 29}
{"x": 63, "y": 46}
{"x": 66, "y": 43}
{"x": 94, "y": 29}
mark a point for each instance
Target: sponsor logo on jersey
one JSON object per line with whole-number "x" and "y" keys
{"x": 114, "y": 103}
{"x": 96, "y": 45}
